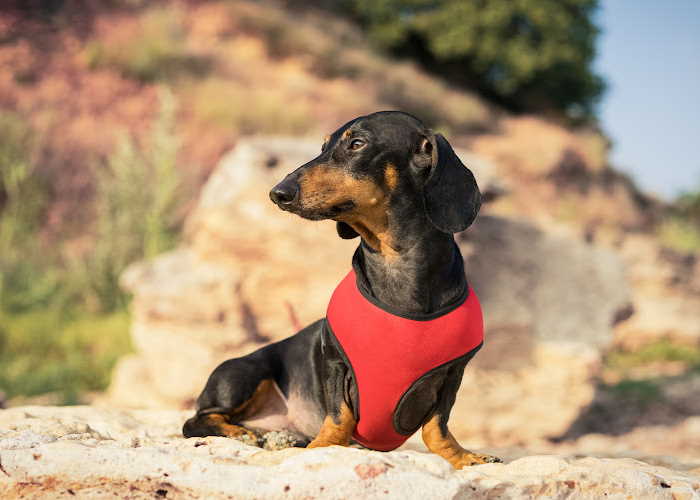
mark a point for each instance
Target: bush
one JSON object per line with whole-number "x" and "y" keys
{"x": 680, "y": 230}
{"x": 688, "y": 206}
{"x": 526, "y": 55}
{"x": 63, "y": 323}
{"x": 139, "y": 198}
{"x": 47, "y": 351}
{"x": 659, "y": 351}
{"x": 679, "y": 234}
{"x": 23, "y": 197}
{"x": 45, "y": 346}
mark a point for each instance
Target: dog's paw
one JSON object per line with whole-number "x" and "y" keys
{"x": 322, "y": 443}
{"x": 318, "y": 443}
{"x": 468, "y": 459}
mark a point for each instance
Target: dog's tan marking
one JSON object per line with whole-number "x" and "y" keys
{"x": 391, "y": 176}
{"x": 220, "y": 426}
{"x": 347, "y": 133}
{"x": 323, "y": 187}
{"x": 256, "y": 402}
{"x": 221, "y": 423}
{"x": 335, "y": 432}
{"x": 448, "y": 448}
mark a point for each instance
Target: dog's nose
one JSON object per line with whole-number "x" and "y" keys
{"x": 284, "y": 193}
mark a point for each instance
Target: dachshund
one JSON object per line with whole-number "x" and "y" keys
{"x": 400, "y": 328}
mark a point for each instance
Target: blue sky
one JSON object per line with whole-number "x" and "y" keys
{"x": 649, "y": 53}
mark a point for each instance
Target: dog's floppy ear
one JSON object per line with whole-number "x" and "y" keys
{"x": 345, "y": 231}
{"x": 451, "y": 195}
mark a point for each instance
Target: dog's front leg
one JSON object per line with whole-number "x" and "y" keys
{"x": 335, "y": 381}
{"x": 438, "y": 438}
{"x": 337, "y": 428}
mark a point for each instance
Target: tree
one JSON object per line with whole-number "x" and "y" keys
{"x": 524, "y": 54}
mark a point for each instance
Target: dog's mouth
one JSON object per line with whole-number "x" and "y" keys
{"x": 321, "y": 213}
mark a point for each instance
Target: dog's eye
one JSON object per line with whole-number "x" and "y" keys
{"x": 356, "y": 144}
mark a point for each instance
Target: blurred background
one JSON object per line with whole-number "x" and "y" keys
{"x": 138, "y": 249}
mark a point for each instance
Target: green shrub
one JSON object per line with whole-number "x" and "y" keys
{"x": 680, "y": 230}
{"x": 680, "y": 234}
{"x": 48, "y": 351}
{"x": 63, "y": 324}
{"x": 23, "y": 196}
{"x": 526, "y": 55}
{"x": 640, "y": 392}
{"x": 138, "y": 208}
{"x": 661, "y": 350}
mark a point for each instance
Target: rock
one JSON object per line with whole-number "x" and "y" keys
{"x": 533, "y": 146}
{"x": 561, "y": 181}
{"x": 549, "y": 305}
{"x": 517, "y": 406}
{"x": 556, "y": 288}
{"x": 250, "y": 273}
{"x": 675, "y": 445}
{"x": 666, "y": 289}
{"x": 53, "y": 452}
{"x": 187, "y": 312}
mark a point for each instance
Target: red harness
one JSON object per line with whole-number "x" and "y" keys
{"x": 388, "y": 353}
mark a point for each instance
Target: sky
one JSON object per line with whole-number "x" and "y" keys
{"x": 649, "y": 53}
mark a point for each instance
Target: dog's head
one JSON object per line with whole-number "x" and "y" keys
{"x": 381, "y": 170}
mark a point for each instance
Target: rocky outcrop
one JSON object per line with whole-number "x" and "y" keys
{"x": 83, "y": 452}
{"x": 565, "y": 185}
{"x": 250, "y": 273}
{"x": 562, "y": 176}
{"x": 550, "y": 304}
{"x": 666, "y": 294}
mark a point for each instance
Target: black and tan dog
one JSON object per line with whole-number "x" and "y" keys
{"x": 388, "y": 179}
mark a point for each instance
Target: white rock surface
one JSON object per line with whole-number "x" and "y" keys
{"x": 85, "y": 452}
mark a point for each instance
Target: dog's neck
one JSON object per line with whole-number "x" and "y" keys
{"x": 423, "y": 276}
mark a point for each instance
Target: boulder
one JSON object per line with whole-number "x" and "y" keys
{"x": 562, "y": 181}
{"x": 666, "y": 294}
{"x": 549, "y": 306}
{"x": 561, "y": 176}
{"x": 84, "y": 452}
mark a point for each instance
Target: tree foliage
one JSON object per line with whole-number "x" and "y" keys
{"x": 525, "y": 54}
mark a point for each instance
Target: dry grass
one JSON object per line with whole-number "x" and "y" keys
{"x": 332, "y": 50}
{"x": 250, "y": 111}
{"x": 157, "y": 51}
